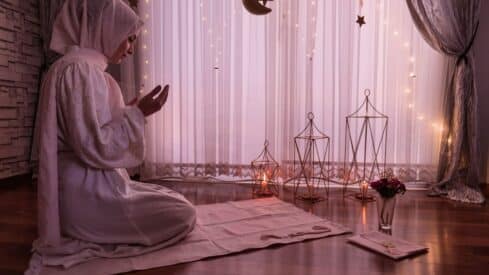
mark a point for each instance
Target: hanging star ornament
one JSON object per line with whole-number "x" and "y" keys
{"x": 361, "y": 20}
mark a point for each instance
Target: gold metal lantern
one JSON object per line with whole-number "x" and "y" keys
{"x": 264, "y": 169}
{"x": 312, "y": 161}
{"x": 365, "y": 147}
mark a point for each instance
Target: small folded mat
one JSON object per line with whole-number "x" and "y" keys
{"x": 387, "y": 245}
{"x": 221, "y": 229}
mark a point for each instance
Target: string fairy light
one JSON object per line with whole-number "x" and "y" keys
{"x": 144, "y": 47}
{"x": 412, "y": 75}
{"x": 396, "y": 33}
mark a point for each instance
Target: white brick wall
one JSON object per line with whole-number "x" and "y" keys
{"x": 20, "y": 62}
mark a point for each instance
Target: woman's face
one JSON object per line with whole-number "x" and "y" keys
{"x": 125, "y": 48}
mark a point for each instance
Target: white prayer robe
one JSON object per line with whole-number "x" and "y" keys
{"x": 84, "y": 139}
{"x": 102, "y": 212}
{"x": 98, "y": 137}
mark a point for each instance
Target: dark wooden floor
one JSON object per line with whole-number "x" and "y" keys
{"x": 456, "y": 234}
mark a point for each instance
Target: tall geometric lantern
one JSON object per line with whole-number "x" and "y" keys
{"x": 363, "y": 148}
{"x": 264, "y": 169}
{"x": 312, "y": 159}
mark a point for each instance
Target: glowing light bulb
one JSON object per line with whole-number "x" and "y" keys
{"x": 146, "y": 61}
{"x": 406, "y": 44}
{"x": 420, "y": 117}
{"x": 412, "y": 75}
{"x": 396, "y": 33}
{"x": 412, "y": 59}
{"x": 407, "y": 91}
{"x": 410, "y": 105}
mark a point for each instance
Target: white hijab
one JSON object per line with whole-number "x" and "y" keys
{"x": 95, "y": 24}
{"x": 99, "y": 25}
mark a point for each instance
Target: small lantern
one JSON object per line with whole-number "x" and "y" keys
{"x": 264, "y": 169}
{"x": 312, "y": 150}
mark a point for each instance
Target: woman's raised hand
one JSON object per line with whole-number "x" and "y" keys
{"x": 151, "y": 103}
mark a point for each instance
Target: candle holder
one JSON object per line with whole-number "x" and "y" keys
{"x": 312, "y": 159}
{"x": 363, "y": 195}
{"x": 264, "y": 169}
{"x": 364, "y": 148}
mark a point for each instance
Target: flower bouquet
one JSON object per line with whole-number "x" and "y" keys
{"x": 387, "y": 188}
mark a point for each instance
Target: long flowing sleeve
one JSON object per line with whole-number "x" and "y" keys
{"x": 100, "y": 139}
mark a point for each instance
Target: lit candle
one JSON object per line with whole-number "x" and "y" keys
{"x": 364, "y": 189}
{"x": 264, "y": 183}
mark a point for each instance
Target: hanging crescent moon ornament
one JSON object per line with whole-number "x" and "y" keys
{"x": 257, "y": 8}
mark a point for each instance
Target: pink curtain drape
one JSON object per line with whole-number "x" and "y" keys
{"x": 238, "y": 79}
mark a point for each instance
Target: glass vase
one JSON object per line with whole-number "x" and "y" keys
{"x": 385, "y": 209}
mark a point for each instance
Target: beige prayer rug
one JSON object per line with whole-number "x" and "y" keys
{"x": 221, "y": 229}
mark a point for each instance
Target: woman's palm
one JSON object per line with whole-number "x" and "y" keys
{"x": 150, "y": 104}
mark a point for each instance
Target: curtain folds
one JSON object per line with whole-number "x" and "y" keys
{"x": 238, "y": 79}
{"x": 450, "y": 27}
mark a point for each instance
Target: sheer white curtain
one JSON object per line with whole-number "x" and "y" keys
{"x": 238, "y": 79}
